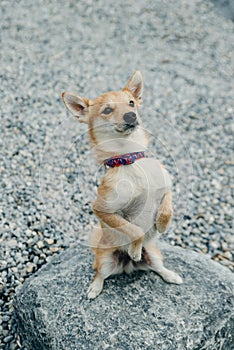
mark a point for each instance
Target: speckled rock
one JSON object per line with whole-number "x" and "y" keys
{"x": 139, "y": 311}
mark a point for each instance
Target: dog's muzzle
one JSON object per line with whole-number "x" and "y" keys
{"x": 129, "y": 123}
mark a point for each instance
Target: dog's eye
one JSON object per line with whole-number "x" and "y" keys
{"x": 107, "y": 110}
{"x": 131, "y": 103}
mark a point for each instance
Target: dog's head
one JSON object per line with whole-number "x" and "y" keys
{"x": 111, "y": 116}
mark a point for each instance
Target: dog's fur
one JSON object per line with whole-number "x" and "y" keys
{"x": 133, "y": 200}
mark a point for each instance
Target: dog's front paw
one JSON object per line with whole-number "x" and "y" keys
{"x": 135, "y": 251}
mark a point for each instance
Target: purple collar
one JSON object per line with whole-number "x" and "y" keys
{"x": 124, "y": 159}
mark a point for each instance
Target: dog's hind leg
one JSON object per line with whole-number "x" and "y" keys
{"x": 152, "y": 257}
{"x": 164, "y": 213}
{"x": 105, "y": 266}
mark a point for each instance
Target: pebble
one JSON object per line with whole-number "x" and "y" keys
{"x": 214, "y": 245}
{"x": 12, "y": 243}
{"x": 5, "y": 318}
{"x": 49, "y": 241}
{"x": 35, "y": 260}
{"x": 228, "y": 255}
{"x": 14, "y": 346}
{"x": 8, "y": 339}
{"x": 29, "y": 268}
{"x": 40, "y": 244}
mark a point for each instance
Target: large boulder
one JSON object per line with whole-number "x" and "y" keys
{"x": 138, "y": 311}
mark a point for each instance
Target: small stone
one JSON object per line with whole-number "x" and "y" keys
{"x": 12, "y": 243}
{"x": 54, "y": 249}
{"x": 214, "y": 245}
{"x": 35, "y": 260}
{"x": 224, "y": 246}
{"x": 29, "y": 268}
{"x": 228, "y": 255}
{"x": 49, "y": 241}
{"x": 3, "y": 264}
{"x": 5, "y": 318}
{"x": 13, "y": 346}
{"x": 40, "y": 244}
{"x": 8, "y": 339}
{"x": 28, "y": 233}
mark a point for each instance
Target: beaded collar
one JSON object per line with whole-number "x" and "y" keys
{"x": 124, "y": 159}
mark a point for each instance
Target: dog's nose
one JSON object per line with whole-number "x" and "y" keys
{"x": 130, "y": 118}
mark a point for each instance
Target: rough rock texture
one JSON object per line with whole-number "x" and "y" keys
{"x": 139, "y": 311}
{"x": 225, "y": 7}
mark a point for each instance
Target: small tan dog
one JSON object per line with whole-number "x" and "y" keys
{"x": 134, "y": 197}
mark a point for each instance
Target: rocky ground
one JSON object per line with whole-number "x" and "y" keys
{"x": 138, "y": 311}
{"x": 48, "y": 175}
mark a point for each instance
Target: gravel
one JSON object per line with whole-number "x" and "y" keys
{"x": 48, "y": 175}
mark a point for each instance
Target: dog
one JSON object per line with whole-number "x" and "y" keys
{"x": 134, "y": 198}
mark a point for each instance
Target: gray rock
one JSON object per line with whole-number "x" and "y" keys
{"x": 139, "y": 311}
{"x": 225, "y": 8}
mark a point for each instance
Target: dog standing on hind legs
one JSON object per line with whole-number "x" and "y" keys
{"x": 134, "y": 197}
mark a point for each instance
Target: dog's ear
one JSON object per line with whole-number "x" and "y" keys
{"x": 135, "y": 85}
{"x": 78, "y": 106}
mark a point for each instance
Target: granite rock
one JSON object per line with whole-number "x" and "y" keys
{"x": 138, "y": 311}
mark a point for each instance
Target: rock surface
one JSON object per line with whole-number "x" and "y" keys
{"x": 225, "y": 8}
{"x": 139, "y": 311}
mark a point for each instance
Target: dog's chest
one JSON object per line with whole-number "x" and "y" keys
{"x": 139, "y": 187}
